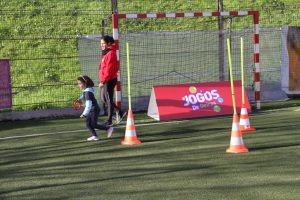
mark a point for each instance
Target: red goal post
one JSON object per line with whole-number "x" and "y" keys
{"x": 254, "y": 14}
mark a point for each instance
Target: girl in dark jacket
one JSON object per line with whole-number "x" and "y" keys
{"x": 92, "y": 110}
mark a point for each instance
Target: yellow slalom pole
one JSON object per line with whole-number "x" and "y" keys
{"x": 130, "y": 134}
{"x": 128, "y": 75}
{"x": 242, "y": 70}
{"x": 231, "y": 77}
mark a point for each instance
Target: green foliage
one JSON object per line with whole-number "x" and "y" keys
{"x": 40, "y": 36}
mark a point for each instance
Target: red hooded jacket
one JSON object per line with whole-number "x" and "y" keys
{"x": 108, "y": 66}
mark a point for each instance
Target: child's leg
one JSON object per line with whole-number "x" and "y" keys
{"x": 95, "y": 119}
{"x": 89, "y": 124}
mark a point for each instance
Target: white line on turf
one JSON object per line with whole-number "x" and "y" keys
{"x": 148, "y": 124}
{"x": 74, "y": 131}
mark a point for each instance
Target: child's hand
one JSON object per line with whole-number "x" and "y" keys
{"x": 82, "y": 116}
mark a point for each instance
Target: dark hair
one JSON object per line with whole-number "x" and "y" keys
{"x": 87, "y": 80}
{"x": 108, "y": 39}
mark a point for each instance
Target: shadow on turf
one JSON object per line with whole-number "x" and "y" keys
{"x": 273, "y": 147}
{"x": 139, "y": 173}
{"x": 276, "y": 127}
{"x": 173, "y": 135}
{"x": 10, "y": 125}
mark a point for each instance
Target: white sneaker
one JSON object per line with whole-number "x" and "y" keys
{"x": 109, "y": 131}
{"x": 93, "y": 138}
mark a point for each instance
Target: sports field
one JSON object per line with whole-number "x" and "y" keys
{"x": 50, "y": 159}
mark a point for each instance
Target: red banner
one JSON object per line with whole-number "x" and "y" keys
{"x": 194, "y": 100}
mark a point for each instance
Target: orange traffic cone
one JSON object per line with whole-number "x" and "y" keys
{"x": 130, "y": 134}
{"x": 236, "y": 141}
{"x": 244, "y": 121}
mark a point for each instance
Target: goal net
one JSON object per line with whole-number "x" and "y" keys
{"x": 175, "y": 48}
{"x": 172, "y": 50}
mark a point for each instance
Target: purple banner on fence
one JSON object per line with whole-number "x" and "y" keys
{"x": 5, "y": 84}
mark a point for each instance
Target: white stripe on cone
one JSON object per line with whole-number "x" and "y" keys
{"x": 235, "y": 127}
{"x": 234, "y": 141}
{"x": 130, "y": 133}
{"x": 244, "y": 111}
{"x": 245, "y": 123}
{"x": 130, "y": 121}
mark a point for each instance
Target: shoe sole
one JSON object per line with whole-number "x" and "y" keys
{"x": 109, "y": 135}
{"x": 93, "y": 140}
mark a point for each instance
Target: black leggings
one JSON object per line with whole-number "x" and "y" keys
{"x": 107, "y": 97}
{"x": 91, "y": 122}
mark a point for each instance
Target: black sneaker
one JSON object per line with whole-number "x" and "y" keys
{"x": 120, "y": 116}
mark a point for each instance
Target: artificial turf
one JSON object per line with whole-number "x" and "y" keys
{"x": 178, "y": 160}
